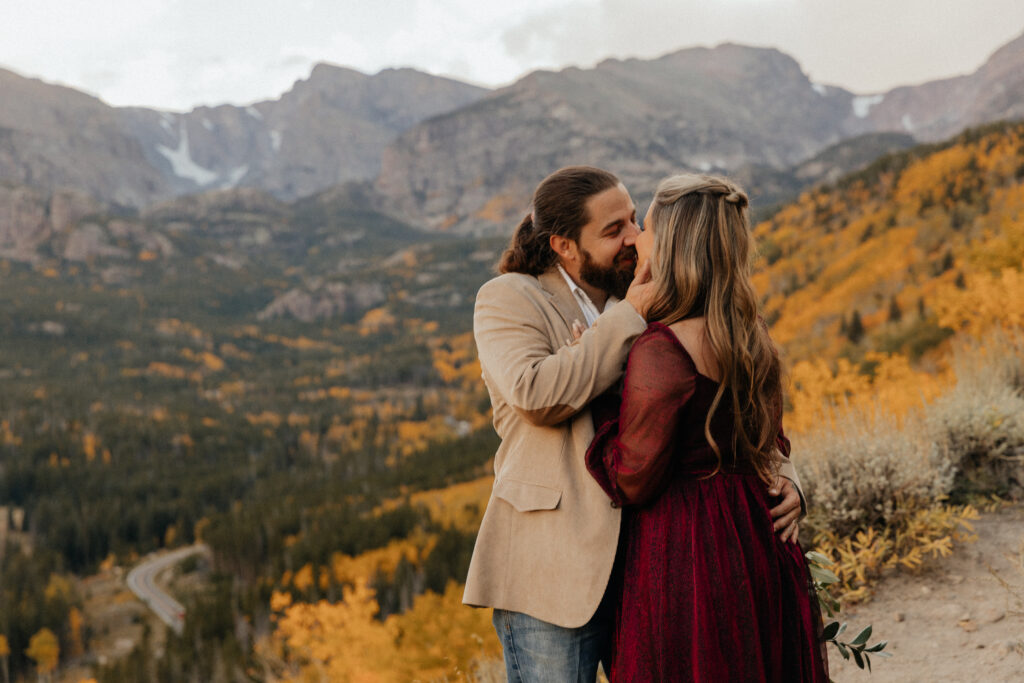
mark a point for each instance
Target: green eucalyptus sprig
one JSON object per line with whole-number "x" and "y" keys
{"x": 858, "y": 648}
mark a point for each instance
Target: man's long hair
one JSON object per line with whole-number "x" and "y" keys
{"x": 700, "y": 264}
{"x": 559, "y": 208}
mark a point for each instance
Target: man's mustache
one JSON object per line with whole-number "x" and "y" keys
{"x": 626, "y": 254}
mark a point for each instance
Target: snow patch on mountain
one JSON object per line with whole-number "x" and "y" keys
{"x": 862, "y": 104}
{"x": 182, "y": 163}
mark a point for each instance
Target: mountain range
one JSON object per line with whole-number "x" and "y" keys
{"x": 442, "y": 155}
{"x": 723, "y": 109}
{"x": 328, "y": 129}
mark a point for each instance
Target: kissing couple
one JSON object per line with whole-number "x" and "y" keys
{"x": 644, "y": 513}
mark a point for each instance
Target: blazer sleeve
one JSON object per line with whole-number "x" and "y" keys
{"x": 538, "y": 375}
{"x": 787, "y": 470}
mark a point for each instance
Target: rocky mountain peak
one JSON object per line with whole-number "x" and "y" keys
{"x": 732, "y": 60}
{"x": 57, "y": 137}
{"x": 325, "y": 79}
{"x": 328, "y": 129}
{"x": 700, "y": 108}
{"x": 1010, "y": 54}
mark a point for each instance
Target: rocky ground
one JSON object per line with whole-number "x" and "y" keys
{"x": 960, "y": 620}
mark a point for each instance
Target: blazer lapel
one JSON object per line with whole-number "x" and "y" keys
{"x": 560, "y": 296}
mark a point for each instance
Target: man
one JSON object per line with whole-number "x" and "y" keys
{"x": 547, "y": 542}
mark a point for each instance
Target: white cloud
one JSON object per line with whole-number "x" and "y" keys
{"x": 179, "y": 53}
{"x": 862, "y": 45}
{"x": 584, "y": 34}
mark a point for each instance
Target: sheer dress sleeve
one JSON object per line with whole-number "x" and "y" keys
{"x": 632, "y": 451}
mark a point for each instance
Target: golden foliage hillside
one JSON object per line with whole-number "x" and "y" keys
{"x": 872, "y": 262}
{"x": 885, "y": 292}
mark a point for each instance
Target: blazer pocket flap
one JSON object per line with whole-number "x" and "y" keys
{"x": 524, "y": 496}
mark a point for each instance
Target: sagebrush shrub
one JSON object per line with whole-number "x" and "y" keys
{"x": 867, "y": 467}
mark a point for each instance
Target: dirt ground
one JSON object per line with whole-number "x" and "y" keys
{"x": 960, "y": 620}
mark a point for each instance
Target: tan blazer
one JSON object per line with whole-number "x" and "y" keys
{"x": 548, "y": 537}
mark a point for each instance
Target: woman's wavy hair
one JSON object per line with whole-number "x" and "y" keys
{"x": 559, "y": 208}
{"x": 700, "y": 264}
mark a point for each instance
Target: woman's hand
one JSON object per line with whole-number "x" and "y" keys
{"x": 641, "y": 291}
{"x": 578, "y": 329}
{"x": 787, "y": 513}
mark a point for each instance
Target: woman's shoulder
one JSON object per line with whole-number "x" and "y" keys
{"x": 661, "y": 337}
{"x": 667, "y": 341}
{"x": 658, "y": 365}
{"x": 656, "y": 334}
{"x": 659, "y": 342}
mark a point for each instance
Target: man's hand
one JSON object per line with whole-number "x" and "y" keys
{"x": 787, "y": 513}
{"x": 641, "y": 291}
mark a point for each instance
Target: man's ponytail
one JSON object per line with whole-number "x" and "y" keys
{"x": 529, "y": 252}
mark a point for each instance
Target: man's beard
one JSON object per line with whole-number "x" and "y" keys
{"x": 614, "y": 279}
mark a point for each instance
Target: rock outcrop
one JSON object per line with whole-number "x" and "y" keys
{"x": 328, "y": 300}
{"x": 30, "y": 219}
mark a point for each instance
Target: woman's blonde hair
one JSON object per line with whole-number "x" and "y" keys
{"x": 700, "y": 263}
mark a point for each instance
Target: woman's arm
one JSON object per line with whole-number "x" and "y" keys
{"x": 630, "y": 455}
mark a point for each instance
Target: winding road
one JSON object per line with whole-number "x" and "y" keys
{"x": 142, "y": 581}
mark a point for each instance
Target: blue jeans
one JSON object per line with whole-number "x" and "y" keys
{"x": 539, "y": 652}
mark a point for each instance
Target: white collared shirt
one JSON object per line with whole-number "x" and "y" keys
{"x": 590, "y": 311}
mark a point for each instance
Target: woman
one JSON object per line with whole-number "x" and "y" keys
{"x": 708, "y": 591}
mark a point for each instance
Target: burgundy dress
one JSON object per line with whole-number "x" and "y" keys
{"x": 708, "y": 591}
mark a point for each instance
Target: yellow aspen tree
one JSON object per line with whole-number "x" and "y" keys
{"x": 44, "y": 650}
{"x": 75, "y": 622}
{"x": 89, "y": 444}
{"x": 5, "y": 653}
{"x": 341, "y": 642}
{"x": 442, "y": 639}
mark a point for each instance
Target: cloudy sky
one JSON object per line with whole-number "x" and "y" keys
{"x": 176, "y": 54}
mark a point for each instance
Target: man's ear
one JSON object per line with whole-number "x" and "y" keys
{"x": 566, "y": 248}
